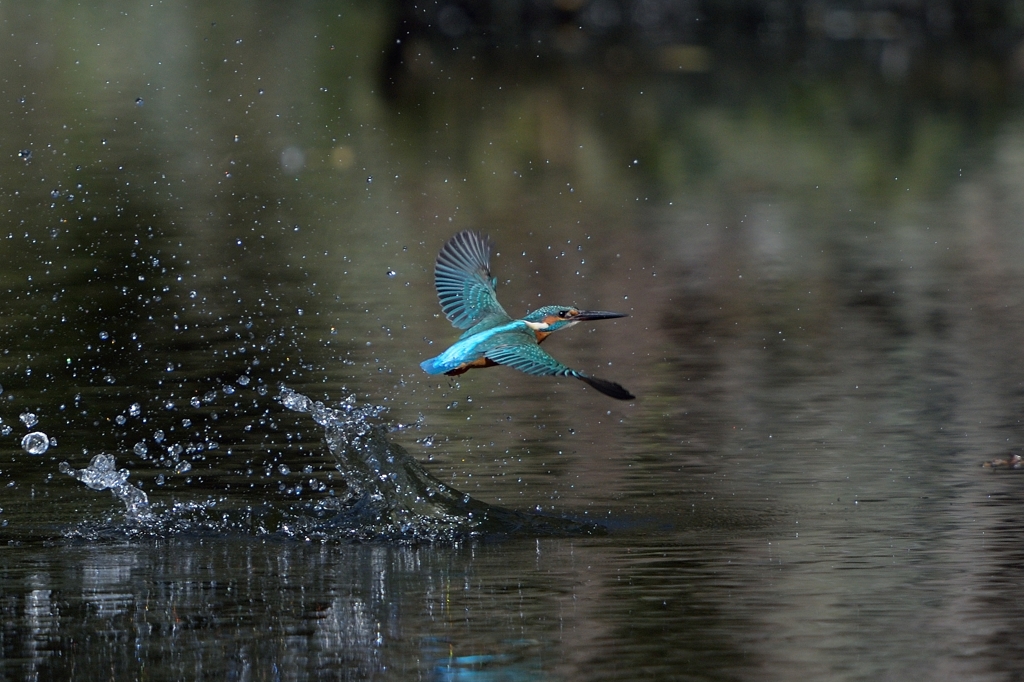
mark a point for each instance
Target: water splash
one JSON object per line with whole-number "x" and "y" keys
{"x": 387, "y": 495}
{"x": 390, "y": 496}
{"x": 102, "y": 474}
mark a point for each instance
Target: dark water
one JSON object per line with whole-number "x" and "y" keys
{"x": 823, "y": 272}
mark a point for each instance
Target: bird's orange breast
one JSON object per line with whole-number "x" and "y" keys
{"x": 466, "y": 366}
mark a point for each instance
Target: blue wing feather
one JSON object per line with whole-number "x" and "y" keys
{"x": 465, "y": 287}
{"x": 530, "y": 358}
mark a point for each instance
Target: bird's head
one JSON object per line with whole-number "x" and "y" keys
{"x": 551, "y": 318}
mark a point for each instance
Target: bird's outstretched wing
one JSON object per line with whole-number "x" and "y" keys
{"x": 533, "y": 360}
{"x": 462, "y": 276}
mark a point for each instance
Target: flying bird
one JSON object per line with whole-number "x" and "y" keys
{"x": 462, "y": 276}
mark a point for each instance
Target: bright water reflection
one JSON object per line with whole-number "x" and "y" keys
{"x": 824, "y": 281}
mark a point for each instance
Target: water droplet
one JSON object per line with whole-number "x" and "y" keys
{"x": 29, "y": 419}
{"x": 183, "y": 467}
{"x": 35, "y": 443}
{"x": 243, "y": 380}
{"x": 195, "y": 402}
{"x": 120, "y": 420}
{"x": 293, "y": 159}
{"x": 185, "y": 423}
{"x": 295, "y": 401}
{"x": 25, "y": 154}
{"x": 392, "y": 273}
{"x": 283, "y": 469}
{"x": 140, "y": 449}
{"x": 101, "y": 473}
{"x": 139, "y": 102}
{"x": 158, "y": 437}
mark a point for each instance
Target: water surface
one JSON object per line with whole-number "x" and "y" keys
{"x": 824, "y": 282}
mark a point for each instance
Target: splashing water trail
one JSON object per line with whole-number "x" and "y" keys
{"x": 392, "y": 497}
{"x": 386, "y": 494}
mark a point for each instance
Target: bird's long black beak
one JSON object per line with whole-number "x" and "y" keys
{"x": 597, "y": 315}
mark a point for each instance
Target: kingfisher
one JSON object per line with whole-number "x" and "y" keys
{"x": 466, "y": 289}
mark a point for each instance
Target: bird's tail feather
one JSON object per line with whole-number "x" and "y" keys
{"x": 609, "y": 388}
{"x": 431, "y": 366}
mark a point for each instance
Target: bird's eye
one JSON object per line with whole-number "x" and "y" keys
{"x": 563, "y": 314}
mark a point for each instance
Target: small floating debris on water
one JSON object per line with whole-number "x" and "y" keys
{"x": 35, "y": 443}
{"x": 1013, "y": 462}
{"x": 102, "y": 474}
